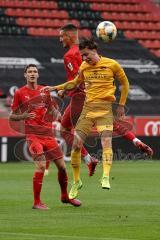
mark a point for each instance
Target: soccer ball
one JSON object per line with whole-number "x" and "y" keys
{"x": 106, "y": 31}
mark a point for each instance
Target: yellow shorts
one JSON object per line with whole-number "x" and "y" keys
{"x": 97, "y": 115}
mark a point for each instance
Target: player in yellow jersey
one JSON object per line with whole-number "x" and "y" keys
{"x": 98, "y": 74}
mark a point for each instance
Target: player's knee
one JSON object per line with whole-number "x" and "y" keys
{"x": 106, "y": 142}
{"x": 40, "y": 167}
{"x": 77, "y": 143}
{"x": 40, "y": 163}
{"x": 106, "y": 139}
{"x": 77, "y": 146}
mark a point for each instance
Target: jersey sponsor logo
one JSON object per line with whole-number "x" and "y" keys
{"x": 69, "y": 65}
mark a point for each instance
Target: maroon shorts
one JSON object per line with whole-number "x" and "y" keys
{"x": 73, "y": 110}
{"x": 47, "y": 146}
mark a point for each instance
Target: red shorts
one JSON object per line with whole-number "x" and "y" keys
{"x": 73, "y": 110}
{"x": 47, "y": 146}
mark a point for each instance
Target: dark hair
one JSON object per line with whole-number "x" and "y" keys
{"x": 88, "y": 43}
{"x": 28, "y": 66}
{"x": 69, "y": 27}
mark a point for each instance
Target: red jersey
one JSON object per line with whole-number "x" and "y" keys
{"x": 72, "y": 62}
{"x": 34, "y": 101}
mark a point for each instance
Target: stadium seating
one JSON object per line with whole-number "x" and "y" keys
{"x": 39, "y": 22}
{"x": 130, "y": 16}
{"x": 47, "y": 22}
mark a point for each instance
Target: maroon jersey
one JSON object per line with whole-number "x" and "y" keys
{"x": 72, "y": 62}
{"x": 34, "y": 101}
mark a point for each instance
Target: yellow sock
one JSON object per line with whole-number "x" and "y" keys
{"x": 76, "y": 161}
{"x": 107, "y": 160}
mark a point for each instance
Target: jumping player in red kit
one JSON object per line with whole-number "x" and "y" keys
{"x": 72, "y": 61}
{"x": 31, "y": 105}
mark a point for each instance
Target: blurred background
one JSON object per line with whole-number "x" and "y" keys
{"x": 29, "y": 31}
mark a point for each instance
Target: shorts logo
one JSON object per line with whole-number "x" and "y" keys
{"x": 152, "y": 128}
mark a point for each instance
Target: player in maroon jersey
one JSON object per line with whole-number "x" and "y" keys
{"x": 32, "y": 106}
{"x": 72, "y": 61}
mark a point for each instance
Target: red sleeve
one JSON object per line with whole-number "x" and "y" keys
{"x": 16, "y": 101}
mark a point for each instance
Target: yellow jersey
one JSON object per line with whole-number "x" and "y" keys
{"x": 100, "y": 79}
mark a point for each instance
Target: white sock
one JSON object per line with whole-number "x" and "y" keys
{"x": 87, "y": 158}
{"x": 135, "y": 140}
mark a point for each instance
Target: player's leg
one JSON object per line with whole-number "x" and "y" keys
{"x": 75, "y": 162}
{"x": 46, "y": 172}
{"x": 36, "y": 150}
{"x": 68, "y": 122}
{"x": 107, "y": 155}
{"x": 104, "y": 126}
{"x": 63, "y": 182}
{"x": 53, "y": 152}
{"x": 76, "y": 106}
{"x": 83, "y": 128}
{"x": 130, "y": 136}
{"x": 122, "y": 130}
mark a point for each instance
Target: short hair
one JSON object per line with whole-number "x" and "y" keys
{"x": 28, "y": 66}
{"x": 69, "y": 27}
{"x": 88, "y": 43}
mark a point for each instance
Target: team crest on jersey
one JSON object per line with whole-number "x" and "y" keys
{"x": 26, "y": 97}
{"x": 42, "y": 94}
{"x": 69, "y": 65}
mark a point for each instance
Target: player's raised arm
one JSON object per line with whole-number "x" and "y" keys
{"x": 65, "y": 86}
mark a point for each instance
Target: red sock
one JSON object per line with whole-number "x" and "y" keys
{"x": 63, "y": 182}
{"x": 47, "y": 164}
{"x": 129, "y": 136}
{"x": 83, "y": 152}
{"x": 37, "y": 186}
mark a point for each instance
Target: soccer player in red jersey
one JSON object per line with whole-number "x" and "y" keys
{"x": 33, "y": 106}
{"x": 72, "y": 62}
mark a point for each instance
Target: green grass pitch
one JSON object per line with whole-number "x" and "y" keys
{"x": 129, "y": 211}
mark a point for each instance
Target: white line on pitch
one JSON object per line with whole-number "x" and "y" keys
{"x": 44, "y": 236}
